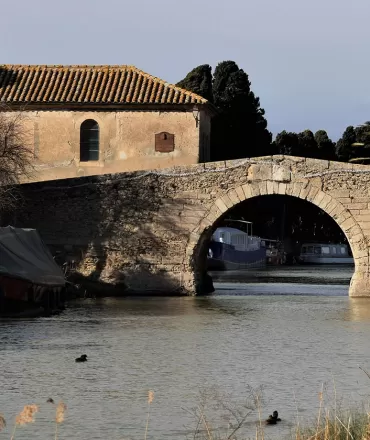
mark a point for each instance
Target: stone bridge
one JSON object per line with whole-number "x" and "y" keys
{"x": 148, "y": 231}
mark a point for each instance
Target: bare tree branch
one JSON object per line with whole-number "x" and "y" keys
{"x": 15, "y": 155}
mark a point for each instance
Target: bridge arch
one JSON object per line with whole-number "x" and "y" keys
{"x": 196, "y": 248}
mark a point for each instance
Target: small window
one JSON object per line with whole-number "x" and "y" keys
{"x": 310, "y": 249}
{"x": 334, "y": 250}
{"x": 325, "y": 250}
{"x": 164, "y": 142}
{"x": 89, "y": 141}
{"x": 343, "y": 250}
{"x": 304, "y": 250}
{"x": 317, "y": 250}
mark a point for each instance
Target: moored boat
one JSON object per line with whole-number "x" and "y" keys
{"x": 233, "y": 249}
{"x": 319, "y": 253}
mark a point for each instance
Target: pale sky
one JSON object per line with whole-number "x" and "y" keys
{"x": 308, "y": 61}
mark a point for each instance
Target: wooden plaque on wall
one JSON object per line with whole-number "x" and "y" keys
{"x": 164, "y": 142}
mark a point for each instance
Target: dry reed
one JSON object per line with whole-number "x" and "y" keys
{"x": 2, "y": 422}
{"x": 150, "y": 400}
{"x": 59, "y": 416}
{"x": 24, "y": 417}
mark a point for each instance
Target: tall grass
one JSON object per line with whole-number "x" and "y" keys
{"x": 216, "y": 417}
{"x": 345, "y": 425}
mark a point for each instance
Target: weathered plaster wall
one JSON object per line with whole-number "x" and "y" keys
{"x": 149, "y": 230}
{"x": 126, "y": 141}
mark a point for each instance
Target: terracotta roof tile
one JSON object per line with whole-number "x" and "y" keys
{"x": 88, "y": 84}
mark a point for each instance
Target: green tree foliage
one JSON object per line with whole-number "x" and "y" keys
{"x": 344, "y": 145}
{"x": 240, "y": 128}
{"x": 325, "y": 146}
{"x": 360, "y": 151}
{"x": 286, "y": 143}
{"x": 199, "y": 81}
{"x": 307, "y": 144}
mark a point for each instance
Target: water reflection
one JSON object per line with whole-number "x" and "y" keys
{"x": 358, "y": 310}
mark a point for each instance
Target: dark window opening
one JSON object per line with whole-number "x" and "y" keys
{"x": 89, "y": 141}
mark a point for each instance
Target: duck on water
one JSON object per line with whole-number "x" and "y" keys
{"x": 82, "y": 358}
{"x": 273, "y": 419}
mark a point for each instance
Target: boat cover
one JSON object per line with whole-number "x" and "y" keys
{"x": 24, "y": 255}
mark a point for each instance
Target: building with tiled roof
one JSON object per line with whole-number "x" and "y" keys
{"x": 88, "y": 120}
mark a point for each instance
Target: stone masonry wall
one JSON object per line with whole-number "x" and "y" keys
{"x": 126, "y": 141}
{"x": 147, "y": 231}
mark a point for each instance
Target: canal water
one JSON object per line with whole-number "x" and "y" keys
{"x": 291, "y": 331}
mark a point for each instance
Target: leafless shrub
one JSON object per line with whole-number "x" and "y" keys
{"x": 219, "y": 416}
{"x": 15, "y": 154}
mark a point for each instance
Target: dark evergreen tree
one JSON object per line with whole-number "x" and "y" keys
{"x": 240, "y": 129}
{"x": 286, "y": 143}
{"x": 344, "y": 145}
{"x": 199, "y": 81}
{"x": 325, "y": 146}
{"x": 360, "y": 151}
{"x": 307, "y": 144}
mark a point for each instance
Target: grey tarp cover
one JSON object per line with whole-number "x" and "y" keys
{"x": 24, "y": 255}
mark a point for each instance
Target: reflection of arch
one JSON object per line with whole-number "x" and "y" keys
{"x": 89, "y": 141}
{"x": 196, "y": 248}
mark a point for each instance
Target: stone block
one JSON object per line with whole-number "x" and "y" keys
{"x": 289, "y": 189}
{"x": 337, "y": 213}
{"x": 316, "y": 181}
{"x": 240, "y": 192}
{"x": 281, "y": 174}
{"x": 247, "y": 191}
{"x": 259, "y": 172}
{"x": 364, "y": 211}
{"x": 340, "y": 193}
{"x": 361, "y": 218}
{"x": 348, "y": 224}
{"x": 234, "y": 197}
{"x": 312, "y": 193}
{"x": 355, "y": 236}
{"x": 297, "y": 187}
{"x": 282, "y": 189}
{"x": 275, "y": 187}
{"x": 360, "y": 253}
{"x": 318, "y": 198}
{"x": 304, "y": 192}
{"x": 221, "y": 205}
{"x": 270, "y": 187}
{"x": 325, "y": 202}
{"x": 255, "y": 190}
{"x": 263, "y": 188}
{"x": 344, "y": 200}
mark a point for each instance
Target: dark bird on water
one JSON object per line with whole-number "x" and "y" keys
{"x": 273, "y": 419}
{"x": 50, "y": 400}
{"x": 82, "y": 358}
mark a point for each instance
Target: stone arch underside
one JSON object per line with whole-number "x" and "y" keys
{"x": 359, "y": 285}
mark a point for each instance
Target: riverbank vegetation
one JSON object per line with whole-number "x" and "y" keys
{"x": 219, "y": 417}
